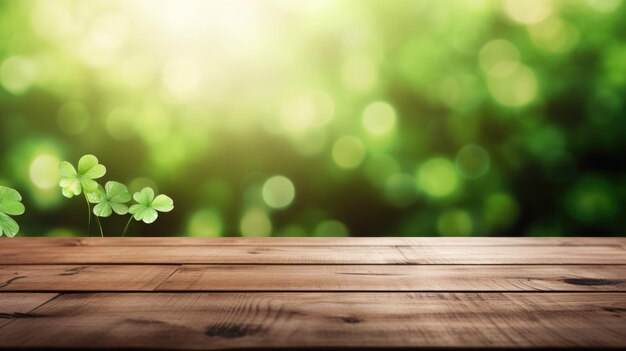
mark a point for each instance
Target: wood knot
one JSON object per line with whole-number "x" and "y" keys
{"x": 350, "y": 320}
{"x": 615, "y": 309}
{"x": 231, "y": 331}
{"x": 18, "y": 315}
{"x": 591, "y": 281}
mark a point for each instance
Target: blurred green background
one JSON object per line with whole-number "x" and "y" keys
{"x": 322, "y": 118}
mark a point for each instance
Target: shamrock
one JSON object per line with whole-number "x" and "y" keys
{"x": 10, "y": 205}
{"x": 112, "y": 198}
{"x": 147, "y": 205}
{"x": 73, "y": 182}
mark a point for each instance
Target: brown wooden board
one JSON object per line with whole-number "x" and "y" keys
{"x": 396, "y": 278}
{"x": 83, "y": 278}
{"x": 14, "y": 306}
{"x": 226, "y": 293}
{"x": 313, "y": 255}
{"x": 252, "y": 320}
{"x": 347, "y": 241}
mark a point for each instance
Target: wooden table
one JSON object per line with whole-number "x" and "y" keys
{"x": 184, "y": 293}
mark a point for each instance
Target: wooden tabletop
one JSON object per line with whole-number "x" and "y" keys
{"x": 186, "y": 293}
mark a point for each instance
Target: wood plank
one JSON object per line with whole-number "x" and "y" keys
{"x": 201, "y": 254}
{"x": 14, "y": 306}
{"x": 347, "y": 241}
{"x": 253, "y": 320}
{"x": 61, "y": 278}
{"x": 396, "y": 278}
{"x": 83, "y": 278}
{"x": 313, "y": 255}
{"x": 514, "y": 255}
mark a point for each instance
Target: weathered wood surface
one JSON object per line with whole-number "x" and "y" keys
{"x": 312, "y": 278}
{"x": 178, "y": 293}
{"x": 397, "y": 278}
{"x": 15, "y": 306}
{"x": 242, "y": 320}
{"x": 290, "y": 241}
{"x": 84, "y": 278}
{"x": 318, "y": 254}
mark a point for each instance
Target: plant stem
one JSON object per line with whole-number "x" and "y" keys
{"x": 100, "y": 225}
{"x": 127, "y": 224}
{"x": 88, "y": 213}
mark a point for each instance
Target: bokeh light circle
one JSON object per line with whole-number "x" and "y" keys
{"x": 348, "y": 152}
{"x": 499, "y": 58}
{"x": 44, "y": 171}
{"x": 17, "y": 74}
{"x": 472, "y": 161}
{"x": 455, "y": 222}
{"x": 278, "y": 192}
{"x": 331, "y": 228}
{"x": 437, "y": 178}
{"x": 255, "y": 222}
{"x": 500, "y": 211}
{"x": 379, "y": 118}
{"x": 592, "y": 200}
{"x": 516, "y": 89}
{"x": 527, "y": 11}
{"x": 308, "y": 111}
{"x": 205, "y": 223}
{"x": 400, "y": 190}
{"x": 604, "y": 6}
{"x": 380, "y": 167}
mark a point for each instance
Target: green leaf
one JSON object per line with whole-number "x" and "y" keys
{"x": 102, "y": 209}
{"x": 68, "y": 193}
{"x": 67, "y": 170}
{"x": 10, "y": 205}
{"x": 145, "y": 196}
{"x": 9, "y": 194}
{"x": 146, "y": 214}
{"x": 146, "y": 208}
{"x": 8, "y": 226}
{"x": 13, "y": 208}
{"x": 88, "y": 184}
{"x": 163, "y": 203}
{"x": 97, "y": 195}
{"x": 98, "y": 171}
{"x": 117, "y": 192}
{"x": 86, "y": 163}
{"x": 112, "y": 198}
{"x": 118, "y": 208}
{"x": 75, "y": 182}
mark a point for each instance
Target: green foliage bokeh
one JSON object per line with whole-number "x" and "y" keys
{"x": 322, "y": 118}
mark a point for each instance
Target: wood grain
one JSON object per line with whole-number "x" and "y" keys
{"x": 514, "y": 255}
{"x": 252, "y": 320}
{"x": 345, "y": 241}
{"x": 14, "y": 306}
{"x": 179, "y": 293}
{"x": 396, "y": 278}
{"x": 83, "y": 278}
{"x": 202, "y": 254}
{"x": 61, "y": 278}
{"x": 313, "y": 255}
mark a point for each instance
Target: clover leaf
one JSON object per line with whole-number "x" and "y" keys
{"x": 147, "y": 205}
{"x": 10, "y": 205}
{"x": 75, "y": 182}
{"x": 112, "y": 198}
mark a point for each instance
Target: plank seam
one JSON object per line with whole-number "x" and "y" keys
{"x": 34, "y": 308}
{"x": 167, "y": 278}
{"x": 62, "y": 292}
{"x": 301, "y": 264}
